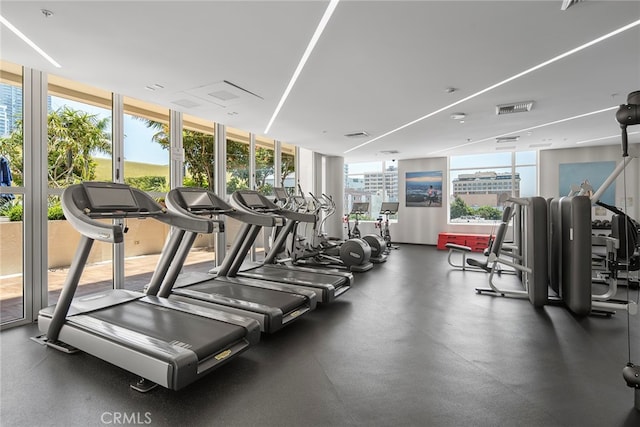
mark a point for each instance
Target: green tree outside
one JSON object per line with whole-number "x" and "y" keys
{"x": 73, "y": 137}
{"x": 459, "y": 208}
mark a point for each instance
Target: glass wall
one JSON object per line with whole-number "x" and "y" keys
{"x": 238, "y": 144}
{"x": 199, "y": 161}
{"x": 477, "y": 181}
{"x": 265, "y": 162}
{"x": 288, "y": 167}
{"x": 79, "y": 149}
{"x": 146, "y": 146}
{"x": 12, "y": 304}
{"x": 146, "y": 166}
{"x": 372, "y": 182}
{"x": 199, "y": 152}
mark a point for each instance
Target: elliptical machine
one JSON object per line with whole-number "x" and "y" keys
{"x": 353, "y": 254}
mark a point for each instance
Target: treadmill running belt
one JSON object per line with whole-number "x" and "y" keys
{"x": 201, "y": 335}
{"x": 293, "y": 276}
{"x": 285, "y": 301}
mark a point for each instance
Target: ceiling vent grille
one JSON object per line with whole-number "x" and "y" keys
{"x": 389, "y": 152}
{"x": 515, "y": 107}
{"x": 360, "y": 134}
{"x": 503, "y": 139}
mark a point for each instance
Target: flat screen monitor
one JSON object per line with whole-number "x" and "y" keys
{"x": 360, "y": 207}
{"x": 281, "y": 193}
{"x": 196, "y": 200}
{"x": 391, "y": 207}
{"x": 110, "y": 197}
{"x": 253, "y": 200}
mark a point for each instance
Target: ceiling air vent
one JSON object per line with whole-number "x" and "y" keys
{"x": 503, "y": 139}
{"x": 515, "y": 107}
{"x": 360, "y": 134}
{"x": 389, "y": 152}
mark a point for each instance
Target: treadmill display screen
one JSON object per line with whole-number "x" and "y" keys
{"x": 281, "y": 193}
{"x": 392, "y": 207}
{"x": 197, "y": 199}
{"x": 253, "y": 200}
{"x": 107, "y": 197}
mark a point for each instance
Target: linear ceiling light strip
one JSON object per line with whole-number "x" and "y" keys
{"x": 303, "y": 60}
{"x": 28, "y": 41}
{"x": 603, "y": 138}
{"x": 555, "y": 122}
{"x": 523, "y": 73}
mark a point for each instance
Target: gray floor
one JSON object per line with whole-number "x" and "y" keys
{"x": 411, "y": 344}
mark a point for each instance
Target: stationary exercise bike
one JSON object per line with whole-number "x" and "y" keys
{"x": 376, "y": 243}
{"x": 387, "y": 208}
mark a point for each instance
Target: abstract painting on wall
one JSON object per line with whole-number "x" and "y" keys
{"x": 574, "y": 176}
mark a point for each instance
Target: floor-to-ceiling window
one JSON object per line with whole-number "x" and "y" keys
{"x": 288, "y": 167}
{"x": 238, "y": 158}
{"x": 78, "y": 149}
{"x": 12, "y": 290}
{"x": 146, "y": 167}
{"x": 265, "y": 162}
{"x": 199, "y": 161}
{"x": 198, "y": 141}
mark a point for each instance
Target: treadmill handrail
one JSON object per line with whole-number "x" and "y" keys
{"x": 76, "y": 208}
{"x": 249, "y": 216}
{"x": 86, "y": 225}
{"x": 175, "y": 204}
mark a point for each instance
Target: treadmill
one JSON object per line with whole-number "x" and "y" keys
{"x": 167, "y": 343}
{"x": 271, "y": 304}
{"x": 327, "y": 284}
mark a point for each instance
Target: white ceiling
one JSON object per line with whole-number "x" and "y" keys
{"x": 378, "y": 66}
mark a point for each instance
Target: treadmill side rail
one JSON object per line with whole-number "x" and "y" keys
{"x": 169, "y": 365}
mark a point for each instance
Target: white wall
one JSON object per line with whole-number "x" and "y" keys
{"x": 306, "y": 171}
{"x": 422, "y": 225}
{"x": 550, "y": 161}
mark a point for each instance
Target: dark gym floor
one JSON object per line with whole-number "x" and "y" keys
{"x": 411, "y": 344}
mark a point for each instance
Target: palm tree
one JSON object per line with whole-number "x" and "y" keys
{"x": 73, "y": 137}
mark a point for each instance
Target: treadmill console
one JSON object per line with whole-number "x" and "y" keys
{"x": 108, "y": 197}
{"x": 196, "y": 200}
{"x": 281, "y": 194}
{"x": 252, "y": 200}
